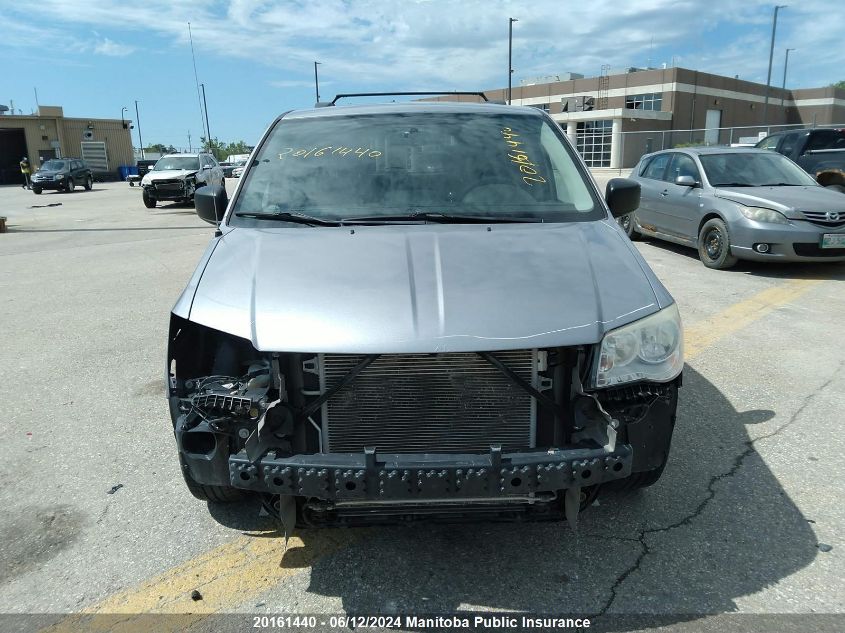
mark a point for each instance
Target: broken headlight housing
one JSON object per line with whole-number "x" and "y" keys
{"x": 650, "y": 349}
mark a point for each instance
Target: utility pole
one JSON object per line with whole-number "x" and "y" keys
{"x": 140, "y": 139}
{"x": 316, "y": 81}
{"x": 771, "y": 53}
{"x": 205, "y": 105}
{"x": 785, "y": 66}
{"x": 189, "y": 142}
{"x": 196, "y": 80}
{"x": 510, "y": 55}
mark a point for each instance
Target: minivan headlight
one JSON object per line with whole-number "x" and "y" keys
{"x": 761, "y": 214}
{"x": 649, "y": 349}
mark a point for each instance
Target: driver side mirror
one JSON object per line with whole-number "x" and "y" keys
{"x": 686, "y": 181}
{"x": 210, "y": 203}
{"x": 206, "y": 166}
{"x": 622, "y": 196}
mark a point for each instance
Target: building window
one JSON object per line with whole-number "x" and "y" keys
{"x": 594, "y": 142}
{"x": 540, "y": 106}
{"x": 650, "y": 101}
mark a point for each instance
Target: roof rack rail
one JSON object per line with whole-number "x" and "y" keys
{"x": 323, "y": 104}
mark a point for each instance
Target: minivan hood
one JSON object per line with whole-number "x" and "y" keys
{"x": 168, "y": 173}
{"x": 787, "y": 200}
{"x": 423, "y": 288}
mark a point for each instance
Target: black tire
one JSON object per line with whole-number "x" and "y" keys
{"x": 637, "y": 481}
{"x": 218, "y": 494}
{"x": 223, "y": 182}
{"x": 89, "y": 183}
{"x": 69, "y": 185}
{"x": 149, "y": 201}
{"x": 628, "y": 224}
{"x": 838, "y": 188}
{"x": 36, "y": 191}
{"x": 714, "y": 245}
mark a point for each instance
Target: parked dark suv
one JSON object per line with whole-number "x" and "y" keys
{"x": 62, "y": 174}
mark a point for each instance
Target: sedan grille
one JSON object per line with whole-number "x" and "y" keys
{"x": 417, "y": 403}
{"x": 826, "y": 219}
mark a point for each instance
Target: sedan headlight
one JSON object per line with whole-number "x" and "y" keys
{"x": 649, "y": 349}
{"x": 761, "y": 214}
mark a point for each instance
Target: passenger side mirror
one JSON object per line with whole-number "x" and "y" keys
{"x": 686, "y": 181}
{"x": 210, "y": 203}
{"x": 206, "y": 166}
{"x": 622, "y": 196}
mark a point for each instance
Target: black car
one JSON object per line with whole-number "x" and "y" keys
{"x": 62, "y": 174}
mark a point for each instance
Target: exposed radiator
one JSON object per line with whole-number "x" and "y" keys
{"x": 417, "y": 403}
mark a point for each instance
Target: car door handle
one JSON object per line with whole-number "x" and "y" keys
{"x": 664, "y": 193}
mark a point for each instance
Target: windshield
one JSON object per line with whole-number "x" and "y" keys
{"x": 53, "y": 165}
{"x": 752, "y": 169}
{"x": 489, "y": 165}
{"x": 177, "y": 162}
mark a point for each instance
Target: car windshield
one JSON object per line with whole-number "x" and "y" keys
{"x": 405, "y": 164}
{"x": 177, "y": 162}
{"x": 53, "y": 165}
{"x": 753, "y": 169}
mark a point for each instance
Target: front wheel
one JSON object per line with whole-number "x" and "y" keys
{"x": 217, "y": 494}
{"x": 149, "y": 201}
{"x": 89, "y": 183}
{"x": 36, "y": 190}
{"x": 69, "y": 185}
{"x": 714, "y": 245}
{"x": 628, "y": 224}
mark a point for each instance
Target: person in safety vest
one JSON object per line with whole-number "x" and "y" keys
{"x": 26, "y": 170}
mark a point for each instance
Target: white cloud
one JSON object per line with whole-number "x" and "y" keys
{"x": 112, "y": 49}
{"x": 448, "y": 45}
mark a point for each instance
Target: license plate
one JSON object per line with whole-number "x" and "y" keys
{"x": 833, "y": 240}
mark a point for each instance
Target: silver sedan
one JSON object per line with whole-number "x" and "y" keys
{"x": 737, "y": 203}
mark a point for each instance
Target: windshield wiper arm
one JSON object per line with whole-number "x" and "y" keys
{"x": 435, "y": 216}
{"x": 782, "y": 184}
{"x": 735, "y": 184}
{"x": 287, "y": 216}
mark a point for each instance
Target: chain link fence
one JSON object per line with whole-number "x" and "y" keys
{"x": 635, "y": 144}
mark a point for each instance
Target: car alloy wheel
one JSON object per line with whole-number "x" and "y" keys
{"x": 89, "y": 184}
{"x": 69, "y": 185}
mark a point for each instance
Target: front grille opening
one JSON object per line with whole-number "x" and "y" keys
{"x": 418, "y": 403}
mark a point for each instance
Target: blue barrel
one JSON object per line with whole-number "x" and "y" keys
{"x": 123, "y": 170}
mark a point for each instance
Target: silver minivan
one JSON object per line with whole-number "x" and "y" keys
{"x": 421, "y": 310}
{"x": 737, "y": 203}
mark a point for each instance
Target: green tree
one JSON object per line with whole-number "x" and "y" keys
{"x": 215, "y": 146}
{"x": 838, "y": 84}
{"x": 160, "y": 148}
{"x": 238, "y": 147}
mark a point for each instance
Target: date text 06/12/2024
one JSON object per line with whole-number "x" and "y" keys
{"x": 423, "y": 622}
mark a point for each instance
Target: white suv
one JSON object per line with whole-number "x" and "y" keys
{"x": 177, "y": 176}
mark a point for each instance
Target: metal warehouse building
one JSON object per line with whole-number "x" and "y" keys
{"x": 105, "y": 144}
{"x": 618, "y": 116}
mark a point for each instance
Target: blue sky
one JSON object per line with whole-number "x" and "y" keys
{"x": 256, "y": 58}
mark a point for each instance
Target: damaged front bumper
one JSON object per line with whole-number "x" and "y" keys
{"x": 415, "y": 477}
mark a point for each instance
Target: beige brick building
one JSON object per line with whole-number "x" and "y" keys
{"x": 105, "y": 144}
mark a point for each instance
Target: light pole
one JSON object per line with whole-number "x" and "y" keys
{"x": 771, "y": 53}
{"x": 510, "y": 55}
{"x": 124, "y": 109}
{"x": 316, "y": 81}
{"x": 140, "y": 139}
{"x": 207, "y": 129}
{"x": 785, "y": 66}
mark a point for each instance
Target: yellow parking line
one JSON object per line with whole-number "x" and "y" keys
{"x": 234, "y": 573}
{"x": 732, "y": 319}
{"x": 230, "y": 574}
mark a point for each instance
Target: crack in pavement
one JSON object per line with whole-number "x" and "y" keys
{"x": 711, "y": 493}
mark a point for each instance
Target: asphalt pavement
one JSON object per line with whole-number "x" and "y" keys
{"x": 748, "y": 517}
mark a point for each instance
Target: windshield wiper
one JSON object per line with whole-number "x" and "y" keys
{"x": 782, "y": 184}
{"x": 436, "y": 216}
{"x": 288, "y": 216}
